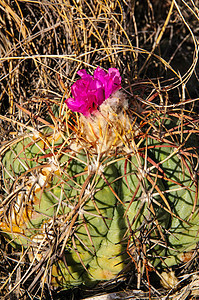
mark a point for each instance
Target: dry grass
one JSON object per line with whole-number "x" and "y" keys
{"x": 42, "y": 46}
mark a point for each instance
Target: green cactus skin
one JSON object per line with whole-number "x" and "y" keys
{"x": 85, "y": 204}
{"x": 177, "y": 162}
{"x": 98, "y": 228}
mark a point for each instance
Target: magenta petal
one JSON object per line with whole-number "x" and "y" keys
{"x": 110, "y": 81}
{"x": 113, "y": 72}
{"x": 100, "y": 74}
{"x": 75, "y": 105}
{"x": 78, "y": 107}
{"x": 89, "y": 92}
{"x": 97, "y": 90}
{"x": 83, "y": 74}
{"x": 113, "y": 83}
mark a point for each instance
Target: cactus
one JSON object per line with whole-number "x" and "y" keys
{"x": 85, "y": 193}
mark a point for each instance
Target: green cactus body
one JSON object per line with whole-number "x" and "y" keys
{"x": 183, "y": 198}
{"x": 176, "y": 164}
{"x": 67, "y": 196}
{"x": 58, "y": 191}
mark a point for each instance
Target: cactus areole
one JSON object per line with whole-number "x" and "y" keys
{"x": 88, "y": 195}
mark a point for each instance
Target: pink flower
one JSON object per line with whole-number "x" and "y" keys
{"x": 90, "y": 92}
{"x": 111, "y": 81}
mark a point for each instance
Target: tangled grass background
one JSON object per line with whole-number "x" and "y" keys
{"x": 43, "y": 44}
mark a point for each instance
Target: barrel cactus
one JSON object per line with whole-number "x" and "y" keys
{"x": 102, "y": 184}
